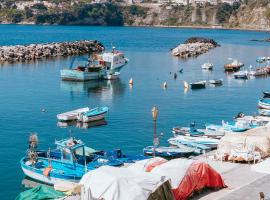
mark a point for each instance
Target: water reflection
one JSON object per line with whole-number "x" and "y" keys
{"x": 82, "y": 125}
{"x": 109, "y": 88}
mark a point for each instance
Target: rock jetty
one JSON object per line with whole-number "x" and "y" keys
{"x": 194, "y": 46}
{"x": 32, "y": 52}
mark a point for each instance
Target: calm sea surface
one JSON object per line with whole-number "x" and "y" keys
{"x": 27, "y": 88}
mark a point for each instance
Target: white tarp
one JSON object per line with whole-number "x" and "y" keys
{"x": 113, "y": 183}
{"x": 142, "y": 165}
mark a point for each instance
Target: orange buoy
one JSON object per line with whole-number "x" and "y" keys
{"x": 47, "y": 171}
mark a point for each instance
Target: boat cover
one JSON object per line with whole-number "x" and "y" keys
{"x": 113, "y": 183}
{"x": 39, "y": 193}
{"x": 257, "y": 139}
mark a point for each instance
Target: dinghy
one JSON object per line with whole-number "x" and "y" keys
{"x": 111, "y": 76}
{"x": 264, "y": 112}
{"x": 169, "y": 152}
{"x": 216, "y": 81}
{"x": 241, "y": 75}
{"x": 191, "y": 130}
{"x": 69, "y": 161}
{"x": 94, "y": 114}
{"x": 264, "y": 103}
{"x": 266, "y": 94}
{"x": 261, "y": 59}
{"x": 198, "y": 85}
{"x": 200, "y": 142}
{"x": 207, "y": 66}
{"x": 71, "y": 115}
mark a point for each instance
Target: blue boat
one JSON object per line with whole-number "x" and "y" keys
{"x": 260, "y": 59}
{"x": 69, "y": 161}
{"x": 264, "y": 103}
{"x": 191, "y": 130}
{"x": 94, "y": 114}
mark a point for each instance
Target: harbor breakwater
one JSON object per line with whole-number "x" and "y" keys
{"x": 32, "y": 52}
{"x": 194, "y": 46}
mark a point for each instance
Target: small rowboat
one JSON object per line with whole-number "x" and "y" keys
{"x": 169, "y": 152}
{"x": 198, "y": 85}
{"x": 94, "y": 114}
{"x": 264, "y": 112}
{"x": 264, "y": 103}
{"x": 234, "y": 66}
{"x": 71, "y": 115}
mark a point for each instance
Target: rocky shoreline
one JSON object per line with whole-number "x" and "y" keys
{"x": 194, "y": 46}
{"x": 32, "y": 52}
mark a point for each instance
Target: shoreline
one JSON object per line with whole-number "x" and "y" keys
{"x": 151, "y": 26}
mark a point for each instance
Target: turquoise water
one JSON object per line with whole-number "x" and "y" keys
{"x": 27, "y": 88}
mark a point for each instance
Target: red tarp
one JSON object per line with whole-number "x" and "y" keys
{"x": 198, "y": 176}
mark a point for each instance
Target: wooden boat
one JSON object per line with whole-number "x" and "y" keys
{"x": 241, "y": 75}
{"x": 207, "y": 66}
{"x": 264, "y": 103}
{"x": 198, "y": 85}
{"x": 233, "y": 66}
{"x": 94, "y": 114}
{"x": 69, "y": 161}
{"x": 71, "y": 115}
{"x": 169, "y": 152}
{"x": 266, "y": 94}
{"x": 264, "y": 112}
{"x": 216, "y": 81}
{"x": 111, "y": 76}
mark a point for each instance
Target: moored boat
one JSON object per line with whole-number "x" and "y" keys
{"x": 216, "y": 81}
{"x": 261, "y": 59}
{"x": 94, "y": 114}
{"x": 198, "y": 85}
{"x": 111, "y": 75}
{"x": 233, "y": 66}
{"x": 191, "y": 130}
{"x": 258, "y": 72}
{"x": 266, "y": 94}
{"x": 71, "y": 115}
{"x": 207, "y": 66}
{"x": 241, "y": 75}
{"x": 169, "y": 152}
{"x": 264, "y": 112}
{"x": 264, "y": 103}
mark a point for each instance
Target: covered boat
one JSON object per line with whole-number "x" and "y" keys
{"x": 264, "y": 103}
{"x": 169, "y": 152}
{"x": 233, "y": 66}
{"x": 71, "y": 115}
{"x": 98, "y": 66}
{"x": 69, "y": 161}
{"x": 198, "y": 85}
{"x": 94, "y": 114}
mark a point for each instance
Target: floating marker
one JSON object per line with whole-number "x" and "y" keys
{"x": 165, "y": 85}
{"x": 186, "y": 86}
{"x": 131, "y": 81}
{"x": 43, "y": 110}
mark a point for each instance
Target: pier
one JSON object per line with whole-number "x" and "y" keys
{"x": 32, "y": 52}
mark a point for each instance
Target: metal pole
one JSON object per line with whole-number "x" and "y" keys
{"x": 155, "y": 136}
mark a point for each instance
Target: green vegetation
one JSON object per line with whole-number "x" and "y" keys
{"x": 225, "y": 10}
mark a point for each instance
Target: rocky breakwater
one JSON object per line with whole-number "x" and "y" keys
{"x": 194, "y": 46}
{"x": 32, "y": 52}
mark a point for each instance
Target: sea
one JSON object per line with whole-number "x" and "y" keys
{"x": 28, "y": 88}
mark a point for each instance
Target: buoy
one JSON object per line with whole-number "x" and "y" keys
{"x": 43, "y": 110}
{"x": 186, "y": 86}
{"x": 165, "y": 85}
{"x": 175, "y": 76}
{"x": 131, "y": 81}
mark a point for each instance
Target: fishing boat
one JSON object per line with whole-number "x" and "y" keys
{"x": 69, "y": 161}
{"x": 198, "y": 85}
{"x": 216, "y": 81}
{"x": 266, "y": 94}
{"x": 111, "y": 75}
{"x": 264, "y": 103}
{"x": 241, "y": 75}
{"x": 233, "y": 66}
{"x": 204, "y": 143}
{"x": 169, "y": 152}
{"x": 71, "y": 115}
{"x": 191, "y": 130}
{"x": 97, "y": 66}
{"x": 94, "y": 114}
{"x": 264, "y": 112}
{"x": 207, "y": 66}
{"x": 236, "y": 126}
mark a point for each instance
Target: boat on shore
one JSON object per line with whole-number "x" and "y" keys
{"x": 264, "y": 112}
{"x": 233, "y": 66}
{"x": 98, "y": 66}
{"x": 207, "y": 66}
{"x": 241, "y": 75}
{"x": 191, "y": 130}
{"x": 71, "y": 115}
{"x": 94, "y": 114}
{"x": 69, "y": 161}
{"x": 198, "y": 85}
{"x": 169, "y": 152}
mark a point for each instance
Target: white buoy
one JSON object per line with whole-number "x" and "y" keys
{"x": 131, "y": 81}
{"x": 165, "y": 85}
{"x": 186, "y": 86}
{"x": 43, "y": 110}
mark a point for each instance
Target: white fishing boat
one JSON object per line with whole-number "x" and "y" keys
{"x": 71, "y": 115}
{"x": 241, "y": 75}
{"x": 111, "y": 75}
{"x": 98, "y": 66}
{"x": 208, "y": 66}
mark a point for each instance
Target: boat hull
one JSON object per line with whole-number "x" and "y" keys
{"x": 75, "y": 75}
{"x": 92, "y": 118}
